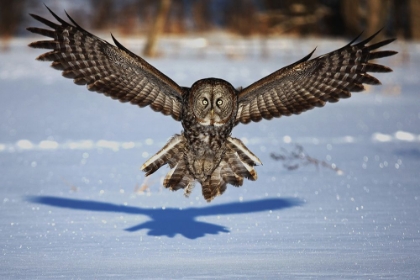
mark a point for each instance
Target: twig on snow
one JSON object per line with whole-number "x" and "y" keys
{"x": 297, "y": 157}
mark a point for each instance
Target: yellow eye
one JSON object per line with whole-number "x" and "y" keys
{"x": 219, "y": 102}
{"x": 205, "y": 102}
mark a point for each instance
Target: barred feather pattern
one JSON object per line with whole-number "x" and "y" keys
{"x": 209, "y": 110}
{"x": 236, "y": 164}
{"x": 306, "y": 83}
{"x": 102, "y": 67}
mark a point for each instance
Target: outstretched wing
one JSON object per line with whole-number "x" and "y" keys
{"x": 309, "y": 83}
{"x": 111, "y": 70}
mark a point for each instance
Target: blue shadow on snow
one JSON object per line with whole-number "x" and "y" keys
{"x": 172, "y": 221}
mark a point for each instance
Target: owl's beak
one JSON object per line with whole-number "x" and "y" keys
{"x": 212, "y": 117}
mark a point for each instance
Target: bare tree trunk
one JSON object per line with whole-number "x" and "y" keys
{"x": 10, "y": 17}
{"x": 157, "y": 28}
{"x": 377, "y": 12}
{"x": 104, "y": 13}
{"x": 401, "y": 18}
{"x": 350, "y": 10}
{"x": 414, "y": 8}
{"x": 201, "y": 15}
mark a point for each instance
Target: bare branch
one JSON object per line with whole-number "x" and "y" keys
{"x": 297, "y": 157}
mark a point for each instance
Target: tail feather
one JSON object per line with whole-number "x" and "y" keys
{"x": 244, "y": 153}
{"x": 170, "y": 153}
{"x": 179, "y": 178}
{"x": 217, "y": 180}
{"x": 230, "y": 177}
{"x": 241, "y": 168}
{"x": 215, "y": 185}
{"x": 174, "y": 177}
{"x": 236, "y": 165}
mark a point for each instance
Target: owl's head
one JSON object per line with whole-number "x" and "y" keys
{"x": 213, "y": 101}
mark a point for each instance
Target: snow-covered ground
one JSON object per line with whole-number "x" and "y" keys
{"x": 74, "y": 203}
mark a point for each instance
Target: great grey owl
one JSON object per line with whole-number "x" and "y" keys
{"x": 210, "y": 108}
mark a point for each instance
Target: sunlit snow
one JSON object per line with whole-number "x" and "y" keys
{"x": 74, "y": 203}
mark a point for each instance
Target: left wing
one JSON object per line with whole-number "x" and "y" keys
{"x": 306, "y": 83}
{"x": 111, "y": 70}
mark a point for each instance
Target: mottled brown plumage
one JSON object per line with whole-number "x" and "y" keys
{"x": 209, "y": 110}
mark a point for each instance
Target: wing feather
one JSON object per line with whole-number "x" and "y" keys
{"x": 112, "y": 70}
{"x": 306, "y": 83}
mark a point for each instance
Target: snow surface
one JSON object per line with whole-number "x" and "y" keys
{"x": 74, "y": 203}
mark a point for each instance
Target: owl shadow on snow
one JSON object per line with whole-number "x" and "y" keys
{"x": 172, "y": 221}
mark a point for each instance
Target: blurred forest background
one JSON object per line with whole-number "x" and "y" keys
{"x": 151, "y": 18}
